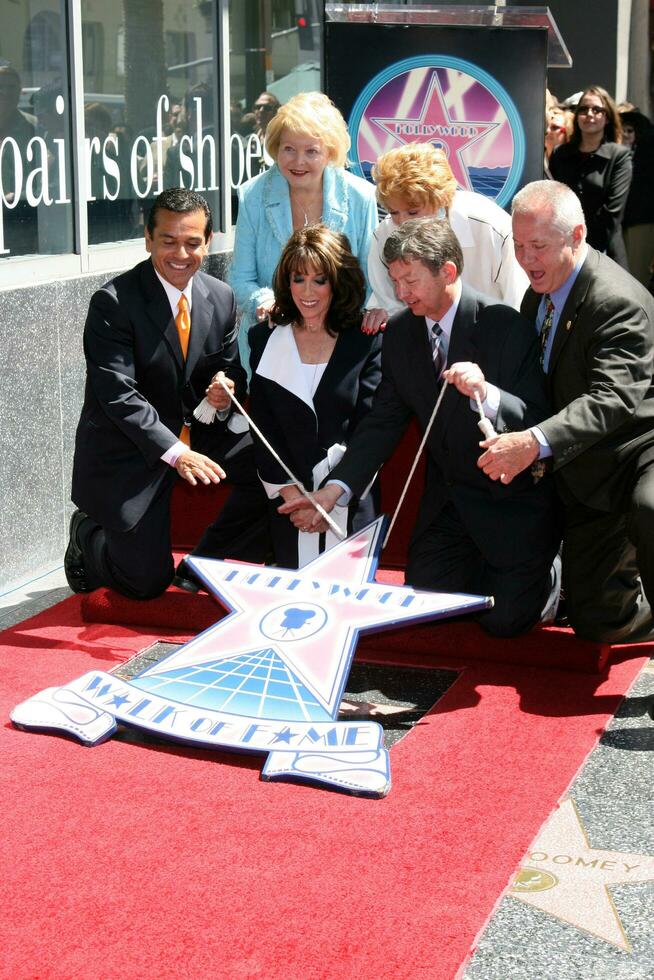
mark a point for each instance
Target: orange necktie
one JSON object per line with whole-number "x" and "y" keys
{"x": 183, "y": 324}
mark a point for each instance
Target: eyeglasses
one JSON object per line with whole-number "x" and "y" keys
{"x": 264, "y": 106}
{"x": 596, "y": 110}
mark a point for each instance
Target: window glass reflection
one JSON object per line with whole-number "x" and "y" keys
{"x": 150, "y": 110}
{"x": 275, "y": 53}
{"x": 35, "y": 163}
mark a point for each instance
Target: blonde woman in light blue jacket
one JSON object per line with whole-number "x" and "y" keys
{"x": 308, "y": 140}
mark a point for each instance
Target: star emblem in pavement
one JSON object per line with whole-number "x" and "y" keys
{"x": 567, "y": 878}
{"x": 435, "y": 125}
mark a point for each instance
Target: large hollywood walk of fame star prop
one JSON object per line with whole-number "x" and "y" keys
{"x": 267, "y": 678}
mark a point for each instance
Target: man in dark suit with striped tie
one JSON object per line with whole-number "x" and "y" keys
{"x": 470, "y": 536}
{"x": 596, "y": 327}
{"x": 154, "y": 339}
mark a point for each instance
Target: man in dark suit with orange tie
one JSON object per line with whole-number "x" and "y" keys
{"x": 154, "y": 339}
{"x": 596, "y": 324}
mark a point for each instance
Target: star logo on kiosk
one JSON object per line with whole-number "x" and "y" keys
{"x": 434, "y": 124}
{"x": 452, "y": 103}
{"x": 267, "y": 678}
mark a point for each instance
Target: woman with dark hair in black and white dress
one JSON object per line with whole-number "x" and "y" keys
{"x": 314, "y": 377}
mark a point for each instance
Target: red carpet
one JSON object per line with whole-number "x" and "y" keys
{"x": 130, "y": 860}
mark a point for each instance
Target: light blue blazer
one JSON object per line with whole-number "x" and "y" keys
{"x": 264, "y": 225}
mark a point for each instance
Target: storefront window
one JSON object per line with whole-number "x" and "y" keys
{"x": 149, "y": 109}
{"x": 274, "y": 54}
{"x": 36, "y": 212}
{"x": 149, "y": 73}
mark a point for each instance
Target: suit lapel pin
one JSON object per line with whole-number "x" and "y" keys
{"x": 568, "y": 325}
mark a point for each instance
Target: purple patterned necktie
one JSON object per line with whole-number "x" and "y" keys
{"x": 539, "y": 468}
{"x": 546, "y": 327}
{"x": 437, "y": 353}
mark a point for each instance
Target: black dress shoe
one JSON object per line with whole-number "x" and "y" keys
{"x": 186, "y": 579}
{"x": 74, "y": 558}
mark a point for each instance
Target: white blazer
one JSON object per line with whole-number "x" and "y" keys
{"x": 489, "y": 262}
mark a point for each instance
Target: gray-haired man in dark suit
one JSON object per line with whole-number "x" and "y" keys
{"x": 596, "y": 328}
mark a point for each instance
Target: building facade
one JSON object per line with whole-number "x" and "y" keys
{"x": 101, "y": 106}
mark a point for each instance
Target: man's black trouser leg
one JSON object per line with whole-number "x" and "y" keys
{"x": 608, "y": 566}
{"x": 443, "y": 557}
{"x": 136, "y": 563}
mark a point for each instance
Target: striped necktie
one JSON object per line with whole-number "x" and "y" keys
{"x": 546, "y": 328}
{"x": 437, "y": 353}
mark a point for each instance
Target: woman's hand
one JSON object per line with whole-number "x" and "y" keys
{"x": 264, "y": 309}
{"x": 374, "y": 321}
{"x": 326, "y": 497}
{"x": 302, "y": 520}
{"x": 302, "y": 517}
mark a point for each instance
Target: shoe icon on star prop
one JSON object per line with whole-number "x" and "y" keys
{"x": 74, "y": 559}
